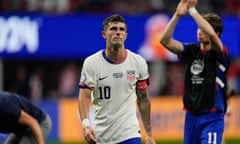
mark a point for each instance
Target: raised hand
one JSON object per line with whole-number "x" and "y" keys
{"x": 182, "y": 8}
{"x": 192, "y": 3}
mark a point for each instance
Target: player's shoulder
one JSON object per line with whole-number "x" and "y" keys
{"x": 7, "y": 97}
{"x": 191, "y": 45}
{"x": 134, "y": 55}
{"x": 225, "y": 50}
{"x": 94, "y": 57}
{"x": 6, "y": 94}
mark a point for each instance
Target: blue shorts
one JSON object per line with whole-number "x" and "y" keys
{"x": 206, "y": 128}
{"x": 136, "y": 140}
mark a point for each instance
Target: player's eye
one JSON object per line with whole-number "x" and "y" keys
{"x": 116, "y": 28}
{"x": 113, "y": 28}
{"x": 122, "y": 29}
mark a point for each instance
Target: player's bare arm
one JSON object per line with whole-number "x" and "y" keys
{"x": 205, "y": 26}
{"x": 84, "y": 104}
{"x": 144, "y": 106}
{"x": 166, "y": 38}
{"x": 28, "y": 120}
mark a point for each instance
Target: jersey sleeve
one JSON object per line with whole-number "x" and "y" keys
{"x": 226, "y": 57}
{"x": 188, "y": 50}
{"x": 87, "y": 79}
{"x": 12, "y": 113}
{"x": 143, "y": 69}
{"x": 182, "y": 55}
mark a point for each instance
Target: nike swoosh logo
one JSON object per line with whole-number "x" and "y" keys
{"x": 102, "y": 78}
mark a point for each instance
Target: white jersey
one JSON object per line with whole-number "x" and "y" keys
{"x": 114, "y": 95}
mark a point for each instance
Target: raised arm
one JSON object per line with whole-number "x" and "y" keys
{"x": 31, "y": 122}
{"x": 166, "y": 37}
{"x": 205, "y": 26}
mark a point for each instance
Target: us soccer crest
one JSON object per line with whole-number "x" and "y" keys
{"x": 130, "y": 75}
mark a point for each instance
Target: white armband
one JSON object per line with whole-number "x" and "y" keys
{"x": 192, "y": 10}
{"x": 85, "y": 123}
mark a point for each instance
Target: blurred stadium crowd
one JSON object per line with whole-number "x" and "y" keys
{"x": 121, "y": 6}
{"x": 58, "y": 79}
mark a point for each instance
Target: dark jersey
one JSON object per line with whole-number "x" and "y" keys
{"x": 10, "y": 108}
{"x": 205, "y": 79}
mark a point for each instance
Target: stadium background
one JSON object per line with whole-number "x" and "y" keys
{"x": 49, "y": 47}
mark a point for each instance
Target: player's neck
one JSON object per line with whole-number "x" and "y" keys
{"x": 116, "y": 55}
{"x": 205, "y": 46}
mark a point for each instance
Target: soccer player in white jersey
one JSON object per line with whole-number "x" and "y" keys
{"x": 115, "y": 79}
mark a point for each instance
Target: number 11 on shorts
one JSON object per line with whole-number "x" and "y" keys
{"x": 212, "y": 138}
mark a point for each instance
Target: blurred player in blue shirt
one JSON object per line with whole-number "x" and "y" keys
{"x": 23, "y": 121}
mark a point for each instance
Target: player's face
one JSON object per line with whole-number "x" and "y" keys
{"x": 202, "y": 36}
{"x": 115, "y": 34}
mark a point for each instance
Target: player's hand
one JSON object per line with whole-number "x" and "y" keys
{"x": 192, "y": 3}
{"x": 149, "y": 140}
{"x": 89, "y": 135}
{"x": 182, "y": 8}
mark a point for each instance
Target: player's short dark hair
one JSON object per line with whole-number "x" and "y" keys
{"x": 215, "y": 21}
{"x": 112, "y": 18}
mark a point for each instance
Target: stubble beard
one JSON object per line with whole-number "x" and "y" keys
{"x": 116, "y": 47}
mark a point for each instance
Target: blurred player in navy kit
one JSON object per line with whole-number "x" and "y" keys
{"x": 115, "y": 78}
{"x": 23, "y": 121}
{"x": 207, "y": 62}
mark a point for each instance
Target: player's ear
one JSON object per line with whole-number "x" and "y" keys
{"x": 126, "y": 36}
{"x": 103, "y": 34}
